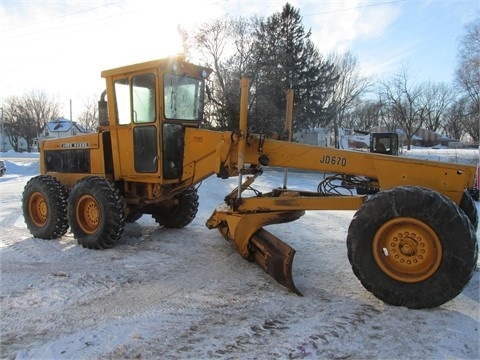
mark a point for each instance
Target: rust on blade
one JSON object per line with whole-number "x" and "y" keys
{"x": 274, "y": 257}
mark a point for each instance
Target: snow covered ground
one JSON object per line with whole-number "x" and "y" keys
{"x": 179, "y": 294}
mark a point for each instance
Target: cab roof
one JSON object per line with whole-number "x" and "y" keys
{"x": 165, "y": 64}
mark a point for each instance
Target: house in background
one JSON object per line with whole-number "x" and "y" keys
{"x": 423, "y": 138}
{"x": 60, "y": 128}
{"x": 316, "y": 136}
{"x": 5, "y": 144}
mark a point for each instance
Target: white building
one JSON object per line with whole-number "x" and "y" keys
{"x": 57, "y": 129}
{"x": 5, "y": 143}
{"x": 60, "y": 128}
{"x": 317, "y": 136}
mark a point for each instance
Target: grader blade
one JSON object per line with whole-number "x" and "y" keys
{"x": 274, "y": 257}
{"x": 245, "y": 231}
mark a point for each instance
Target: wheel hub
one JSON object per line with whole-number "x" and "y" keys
{"x": 407, "y": 249}
{"x": 88, "y": 214}
{"x": 408, "y": 246}
{"x": 38, "y": 209}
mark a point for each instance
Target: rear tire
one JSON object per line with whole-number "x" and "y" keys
{"x": 181, "y": 213}
{"x": 412, "y": 247}
{"x": 44, "y": 205}
{"x": 95, "y": 213}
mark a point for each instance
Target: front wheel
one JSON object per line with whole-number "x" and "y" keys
{"x": 412, "y": 247}
{"x": 95, "y": 213}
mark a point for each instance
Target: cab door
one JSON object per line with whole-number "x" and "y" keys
{"x": 137, "y": 130}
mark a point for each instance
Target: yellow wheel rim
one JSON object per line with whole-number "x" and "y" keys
{"x": 38, "y": 209}
{"x": 88, "y": 214}
{"x": 407, "y": 249}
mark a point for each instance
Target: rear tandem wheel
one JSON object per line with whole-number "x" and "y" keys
{"x": 95, "y": 212}
{"x": 413, "y": 247}
{"x": 181, "y": 213}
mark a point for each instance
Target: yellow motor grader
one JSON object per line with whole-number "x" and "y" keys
{"x": 413, "y": 243}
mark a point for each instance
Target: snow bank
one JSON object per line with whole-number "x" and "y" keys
{"x": 459, "y": 156}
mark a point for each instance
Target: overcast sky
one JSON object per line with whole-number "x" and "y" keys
{"x": 62, "y": 46}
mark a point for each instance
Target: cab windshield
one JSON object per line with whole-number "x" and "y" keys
{"x": 183, "y": 97}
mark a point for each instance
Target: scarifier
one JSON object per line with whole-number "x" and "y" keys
{"x": 411, "y": 244}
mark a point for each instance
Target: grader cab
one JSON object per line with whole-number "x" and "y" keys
{"x": 411, "y": 244}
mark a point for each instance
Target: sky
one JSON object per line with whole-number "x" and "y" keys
{"x": 62, "y": 46}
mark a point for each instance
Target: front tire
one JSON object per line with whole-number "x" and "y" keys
{"x": 412, "y": 247}
{"x": 95, "y": 212}
{"x": 44, "y": 205}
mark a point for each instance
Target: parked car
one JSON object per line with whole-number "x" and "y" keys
{"x": 3, "y": 167}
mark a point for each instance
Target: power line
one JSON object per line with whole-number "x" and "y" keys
{"x": 356, "y": 7}
{"x": 61, "y": 16}
{"x": 28, "y": 33}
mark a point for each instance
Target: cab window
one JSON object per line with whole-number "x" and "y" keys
{"x": 135, "y": 98}
{"x": 143, "y": 95}
{"x": 122, "y": 97}
{"x": 183, "y": 97}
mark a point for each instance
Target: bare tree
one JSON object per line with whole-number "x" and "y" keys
{"x": 25, "y": 116}
{"x": 454, "y": 125}
{"x": 468, "y": 75}
{"x": 88, "y": 118}
{"x": 224, "y": 45}
{"x": 403, "y": 104}
{"x": 365, "y": 115}
{"x": 347, "y": 89}
{"x": 436, "y": 99}
{"x": 11, "y": 108}
{"x": 468, "y": 66}
{"x": 40, "y": 107}
{"x": 472, "y": 123}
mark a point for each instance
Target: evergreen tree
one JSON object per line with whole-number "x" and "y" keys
{"x": 287, "y": 58}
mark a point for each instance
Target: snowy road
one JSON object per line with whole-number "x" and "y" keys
{"x": 176, "y": 294}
